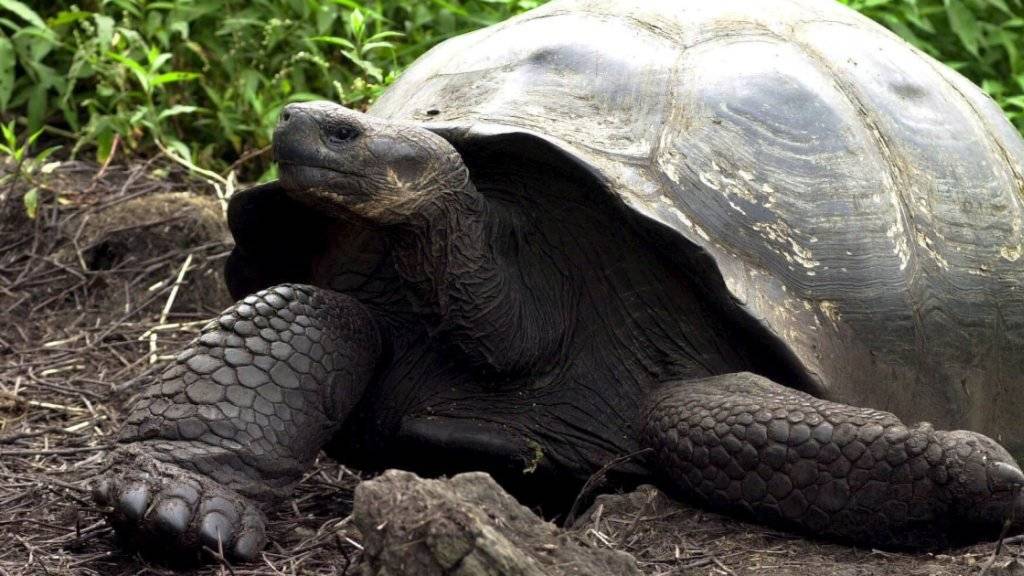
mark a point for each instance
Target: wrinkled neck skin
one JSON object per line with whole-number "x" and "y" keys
{"x": 454, "y": 255}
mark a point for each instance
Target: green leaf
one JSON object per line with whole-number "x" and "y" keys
{"x": 993, "y": 88}
{"x": 1000, "y": 4}
{"x": 964, "y": 25}
{"x": 11, "y": 138}
{"x": 914, "y": 18}
{"x": 893, "y": 22}
{"x": 180, "y": 27}
{"x": 176, "y": 110}
{"x": 325, "y": 19}
{"x": 385, "y": 34}
{"x": 40, "y": 41}
{"x": 33, "y": 137}
{"x": 141, "y": 73}
{"x": 334, "y": 40}
{"x": 40, "y": 159}
{"x": 270, "y": 174}
{"x": 1009, "y": 41}
{"x": 353, "y": 5}
{"x": 180, "y": 149}
{"x": 7, "y": 78}
{"x": 128, "y": 6}
{"x": 357, "y": 23}
{"x": 176, "y": 76}
{"x": 104, "y": 142}
{"x": 158, "y": 62}
{"x": 23, "y": 11}
{"x": 37, "y": 107}
{"x": 65, "y": 17}
{"x": 31, "y": 201}
{"x": 377, "y": 46}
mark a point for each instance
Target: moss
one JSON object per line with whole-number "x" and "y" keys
{"x": 535, "y": 458}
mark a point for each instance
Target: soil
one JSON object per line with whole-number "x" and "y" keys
{"x": 95, "y": 294}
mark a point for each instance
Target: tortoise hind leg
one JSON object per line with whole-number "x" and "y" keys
{"x": 234, "y": 422}
{"x": 742, "y": 443}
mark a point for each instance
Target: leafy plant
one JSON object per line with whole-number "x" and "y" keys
{"x": 26, "y": 166}
{"x": 26, "y": 43}
{"x": 205, "y": 79}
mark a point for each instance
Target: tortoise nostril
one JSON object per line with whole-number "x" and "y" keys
{"x": 286, "y": 116}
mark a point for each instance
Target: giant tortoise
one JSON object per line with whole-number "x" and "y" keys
{"x": 711, "y": 229}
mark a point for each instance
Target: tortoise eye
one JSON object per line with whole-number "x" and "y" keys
{"x": 341, "y": 133}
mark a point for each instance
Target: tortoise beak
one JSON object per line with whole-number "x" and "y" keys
{"x": 317, "y": 134}
{"x": 296, "y": 137}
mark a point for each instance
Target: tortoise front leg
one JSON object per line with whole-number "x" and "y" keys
{"x": 742, "y": 443}
{"x": 238, "y": 417}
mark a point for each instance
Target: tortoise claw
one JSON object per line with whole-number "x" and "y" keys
{"x": 134, "y": 500}
{"x": 214, "y": 530}
{"x": 171, "y": 516}
{"x": 1002, "y": 475}
{"x": 247, "y": 546}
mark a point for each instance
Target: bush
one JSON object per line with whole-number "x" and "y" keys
{"x": 206, "y": 78}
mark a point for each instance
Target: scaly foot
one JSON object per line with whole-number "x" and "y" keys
{"x": 175, "y": 513}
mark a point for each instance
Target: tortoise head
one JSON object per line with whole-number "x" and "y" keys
{"x": 343, "y": 161}
{"x": 985, "y": 483}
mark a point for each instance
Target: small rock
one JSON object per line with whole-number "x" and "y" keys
{"x": 466, "y": 526}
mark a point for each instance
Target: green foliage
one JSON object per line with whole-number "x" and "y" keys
{"x": 982, "y": 39}
{"x": 26, "y": 166}
{"x": 205, "y": 79}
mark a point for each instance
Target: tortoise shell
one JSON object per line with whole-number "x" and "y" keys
{"x": 860, "y": 201}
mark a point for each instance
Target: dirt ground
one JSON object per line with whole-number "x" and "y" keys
{"x": 118, "y": 270}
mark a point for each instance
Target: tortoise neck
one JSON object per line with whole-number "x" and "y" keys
{"x": 451, "y": 256}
